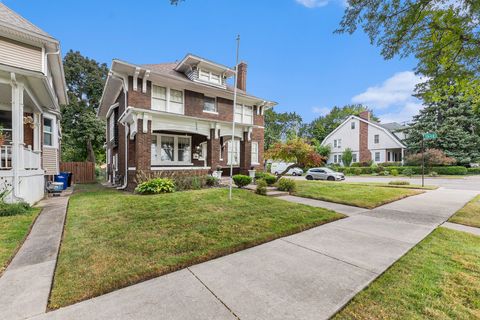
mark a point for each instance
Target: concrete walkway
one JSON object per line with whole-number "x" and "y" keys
{"x": 309, "y": 275}
{"x": 461, "y": 227}
{"x": 25, "y": 284}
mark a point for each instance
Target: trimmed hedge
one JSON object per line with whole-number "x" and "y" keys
{"x": 447, "y": 170}
{"x": 473, "y": 170}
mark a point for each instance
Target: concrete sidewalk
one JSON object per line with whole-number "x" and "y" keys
{"x": 461, "y": 227}
{"x": 309, "y": 275}
{"x": 25, "y": 284}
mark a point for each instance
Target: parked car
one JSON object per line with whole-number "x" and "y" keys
{"x": 279, "y": 167}
{"x": 324, "y": 174}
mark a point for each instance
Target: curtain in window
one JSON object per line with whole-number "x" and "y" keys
{"x": 176, "y": 101}
{"x": 159, "y": 98}
{"x": 209, "y": 104}
{"x": 183, "y": 149}
{"x": 167, "y": 148}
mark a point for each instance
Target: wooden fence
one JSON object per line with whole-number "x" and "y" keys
{"x": 83, "y": 172}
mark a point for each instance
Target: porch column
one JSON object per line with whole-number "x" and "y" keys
{"x": 143, "y": 147}
{"x": 245, "y": 153}
{"x": 403, "y": 155}
{"x": 37, "y": 134}
{"x": 17, "y": 125}
{"x": 213, "y": 150}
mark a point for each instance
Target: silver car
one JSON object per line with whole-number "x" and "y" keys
{"x": 324, "y": 174}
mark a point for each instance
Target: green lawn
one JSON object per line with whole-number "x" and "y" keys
{"x": 437, "y": 279}
{"x": 13, "y": 230}
{"x": 407, "y": 186}
{"x": 113, "y": 239}
{"x": 360, "y": 195}
{"x": 468, "y": 215}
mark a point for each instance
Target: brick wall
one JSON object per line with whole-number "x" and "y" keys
{"x": 365, "y": 154}
{"x": 138, "y": 99}
{"x": 143, "y": 150}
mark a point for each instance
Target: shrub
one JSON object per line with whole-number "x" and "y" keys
{"x": 13, "y": 209}
{"x": 156, "y": 186}
{"x": 241, "y": 180}
{"x": 433, "y": 157}
{"x": 260, "y": 175}
{"x": 390, "y": 164}
{"x": 407, "y": 172}
{"x": 394, "y": 172}
{"x": 285, "y": 184}
{"x": 355, "y": 165}
{"x": 261, "y": 187}
{"x": 399, "y": 183}
{"x": 347, "y": 157}
{"x": 475, "y": 170}
{"x": 433, "y": 174}
{"x": 270, "y": 179}
{"x": 190, "y": 182}
{"x": 453, "y": 170}
{"x": 357, "y": 171}
{"x": 212, "y": 181}
{"x": 380, "y": 169}
{"x": 385, "y": 173}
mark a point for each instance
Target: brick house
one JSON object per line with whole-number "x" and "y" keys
{"x": 368, "y": 140}
{"x": 176, "y": 119}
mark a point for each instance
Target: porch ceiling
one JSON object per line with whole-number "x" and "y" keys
{"x": 6, "y": 98}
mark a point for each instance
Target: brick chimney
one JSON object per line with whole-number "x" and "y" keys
{"x": 365, "y": 115}
{"x": 242, "y": 76}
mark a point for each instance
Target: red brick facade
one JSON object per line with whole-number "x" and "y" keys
{"x": 365, "y": 154}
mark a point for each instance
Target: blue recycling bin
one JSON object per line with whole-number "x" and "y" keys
{"x": 63, "y": 178}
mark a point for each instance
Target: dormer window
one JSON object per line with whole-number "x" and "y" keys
{"x": 209, "y": 76}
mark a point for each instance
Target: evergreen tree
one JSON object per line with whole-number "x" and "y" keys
{"x": 449, "y": 114}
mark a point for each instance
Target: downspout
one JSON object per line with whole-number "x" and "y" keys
{"x": 125, "y": 177}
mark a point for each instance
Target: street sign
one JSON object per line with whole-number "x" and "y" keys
{"x": 430, "y": 136}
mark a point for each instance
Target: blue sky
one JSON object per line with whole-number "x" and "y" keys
{"x": 293, "y": 56}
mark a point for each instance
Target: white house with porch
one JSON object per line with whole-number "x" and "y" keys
{"x": 368, "y": 140}
{"x": 32, "y": 88}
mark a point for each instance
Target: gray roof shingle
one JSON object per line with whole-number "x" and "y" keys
{"x": 11, "y": 18}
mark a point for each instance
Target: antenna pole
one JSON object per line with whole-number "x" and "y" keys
{"x": 232, "y": 142}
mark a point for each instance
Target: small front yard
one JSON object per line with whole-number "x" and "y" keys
{"x": 468, "y": 215}
{"x": 13, "y": 230}
{"x": 438, "y": 279}
{"x": 113, "y": 239}
{"x": 360, "y": 195}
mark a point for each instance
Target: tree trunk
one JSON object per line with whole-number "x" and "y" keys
{"x": 90, "y": 151}
{"x": 286, "y": 170}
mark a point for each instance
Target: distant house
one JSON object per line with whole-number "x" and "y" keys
{"x": 32, "y": 87}
{"x": 176, "y": 118}
{"x": 367, "y": 139}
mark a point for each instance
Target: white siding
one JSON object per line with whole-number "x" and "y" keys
{"x": 20, "y": 55}
{"x": 385, "y": 140}
{"x": 350, "y": 139}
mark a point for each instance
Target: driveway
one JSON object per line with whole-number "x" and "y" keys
{"x": 309, "y": 275}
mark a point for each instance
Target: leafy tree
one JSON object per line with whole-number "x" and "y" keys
{"x": 433, "y": 157}
{"x": 281, "y": 126}
{"x": 347, "y": 157}
{"x": 324, "y": 151}
{"x": 448, "y": 113}
{"x": 297, "y": 151}
{"x": 83, "y": 132}
{"x": 322, "y": 126}
{"x": 429, "y": 29}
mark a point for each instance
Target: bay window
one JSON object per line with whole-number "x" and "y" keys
{"x": 254, "y": 152}
{"x": 167, "y": 99}
{"x": 171, "y": 149}
{"x": 243, "y": 114}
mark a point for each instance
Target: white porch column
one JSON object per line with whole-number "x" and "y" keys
{"x": 403, "y": 155}
{"x": 17, "y": 125}
{"x": 37, "y": 134}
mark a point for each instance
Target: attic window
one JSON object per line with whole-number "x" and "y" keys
{"x": 209, "y": 76}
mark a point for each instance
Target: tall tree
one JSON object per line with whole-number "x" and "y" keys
{"x": 322, "y": 126}
{"x": 83, "y": 132}
{"x": 281, "y": 126}
{"x": 448, "y": 112}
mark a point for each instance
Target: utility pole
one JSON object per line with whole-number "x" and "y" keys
{"x": 232, "y": 142}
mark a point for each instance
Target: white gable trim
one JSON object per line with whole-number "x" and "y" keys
{"x": 367, "y": 122}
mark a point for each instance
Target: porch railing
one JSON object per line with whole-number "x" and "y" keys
{"x": 31, "y": 160}
{"x": 5, "y": 157}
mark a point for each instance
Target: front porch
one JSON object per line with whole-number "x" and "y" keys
{"x": 394, "y": 155}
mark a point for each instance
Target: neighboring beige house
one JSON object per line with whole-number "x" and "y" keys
{"x": 368, "y": 140}
{"x": 32, "y": 88}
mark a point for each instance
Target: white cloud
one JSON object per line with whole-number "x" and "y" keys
{"x": 404, "y": 114}
{"x": 393, "y": 91}
{"x": 321, "y": 110}
{"x": 313, "y": 3}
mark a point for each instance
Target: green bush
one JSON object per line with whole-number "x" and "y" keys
{"x": 407, "y": 172}
{"x": 190, "y": 182}
{"x": 399, "y": 183}
{"x": 212, "y": 181}
{"x": 433, "y": 174}
{"x": 357, "y": 171}
{"x": 156, "y": 186}
{"x": 259, "y": 175}
{"x": 394, "y": 172}
{"x": 385, "y": 173}
{"x": 270, "y": 179}
{"x": 285, "y": 184}
{"x": 261, "y": 187}
{"x": 13, "y": 209}
{"x": 475, "y": 170}
{"x": 451, "y": 170}
{"x": 241, "y": 180}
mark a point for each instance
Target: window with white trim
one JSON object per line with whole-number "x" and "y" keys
{"x": 243, "y": 114}
{"x": 339, "y": 158}
{"x": 339, "y": 143}
{"x": 354, "y": 157}
{"x": 111, "y": 126}
{"x": 334, "y": 158}
{"x": 254, "y": 152}
{"x": 335, "y": 143}
{"x": 377, "y": 156}
{"x": 209, "y": 76}
{"x": 376, "y": 138}
{"x": 352, "y": 125}
{"x": 235, "y": 153}
{"x": 171, "y": 149}
{"x": 209, "y": 104}
{"x": 48, "y": 132}
{"x": 167, "y": 99}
